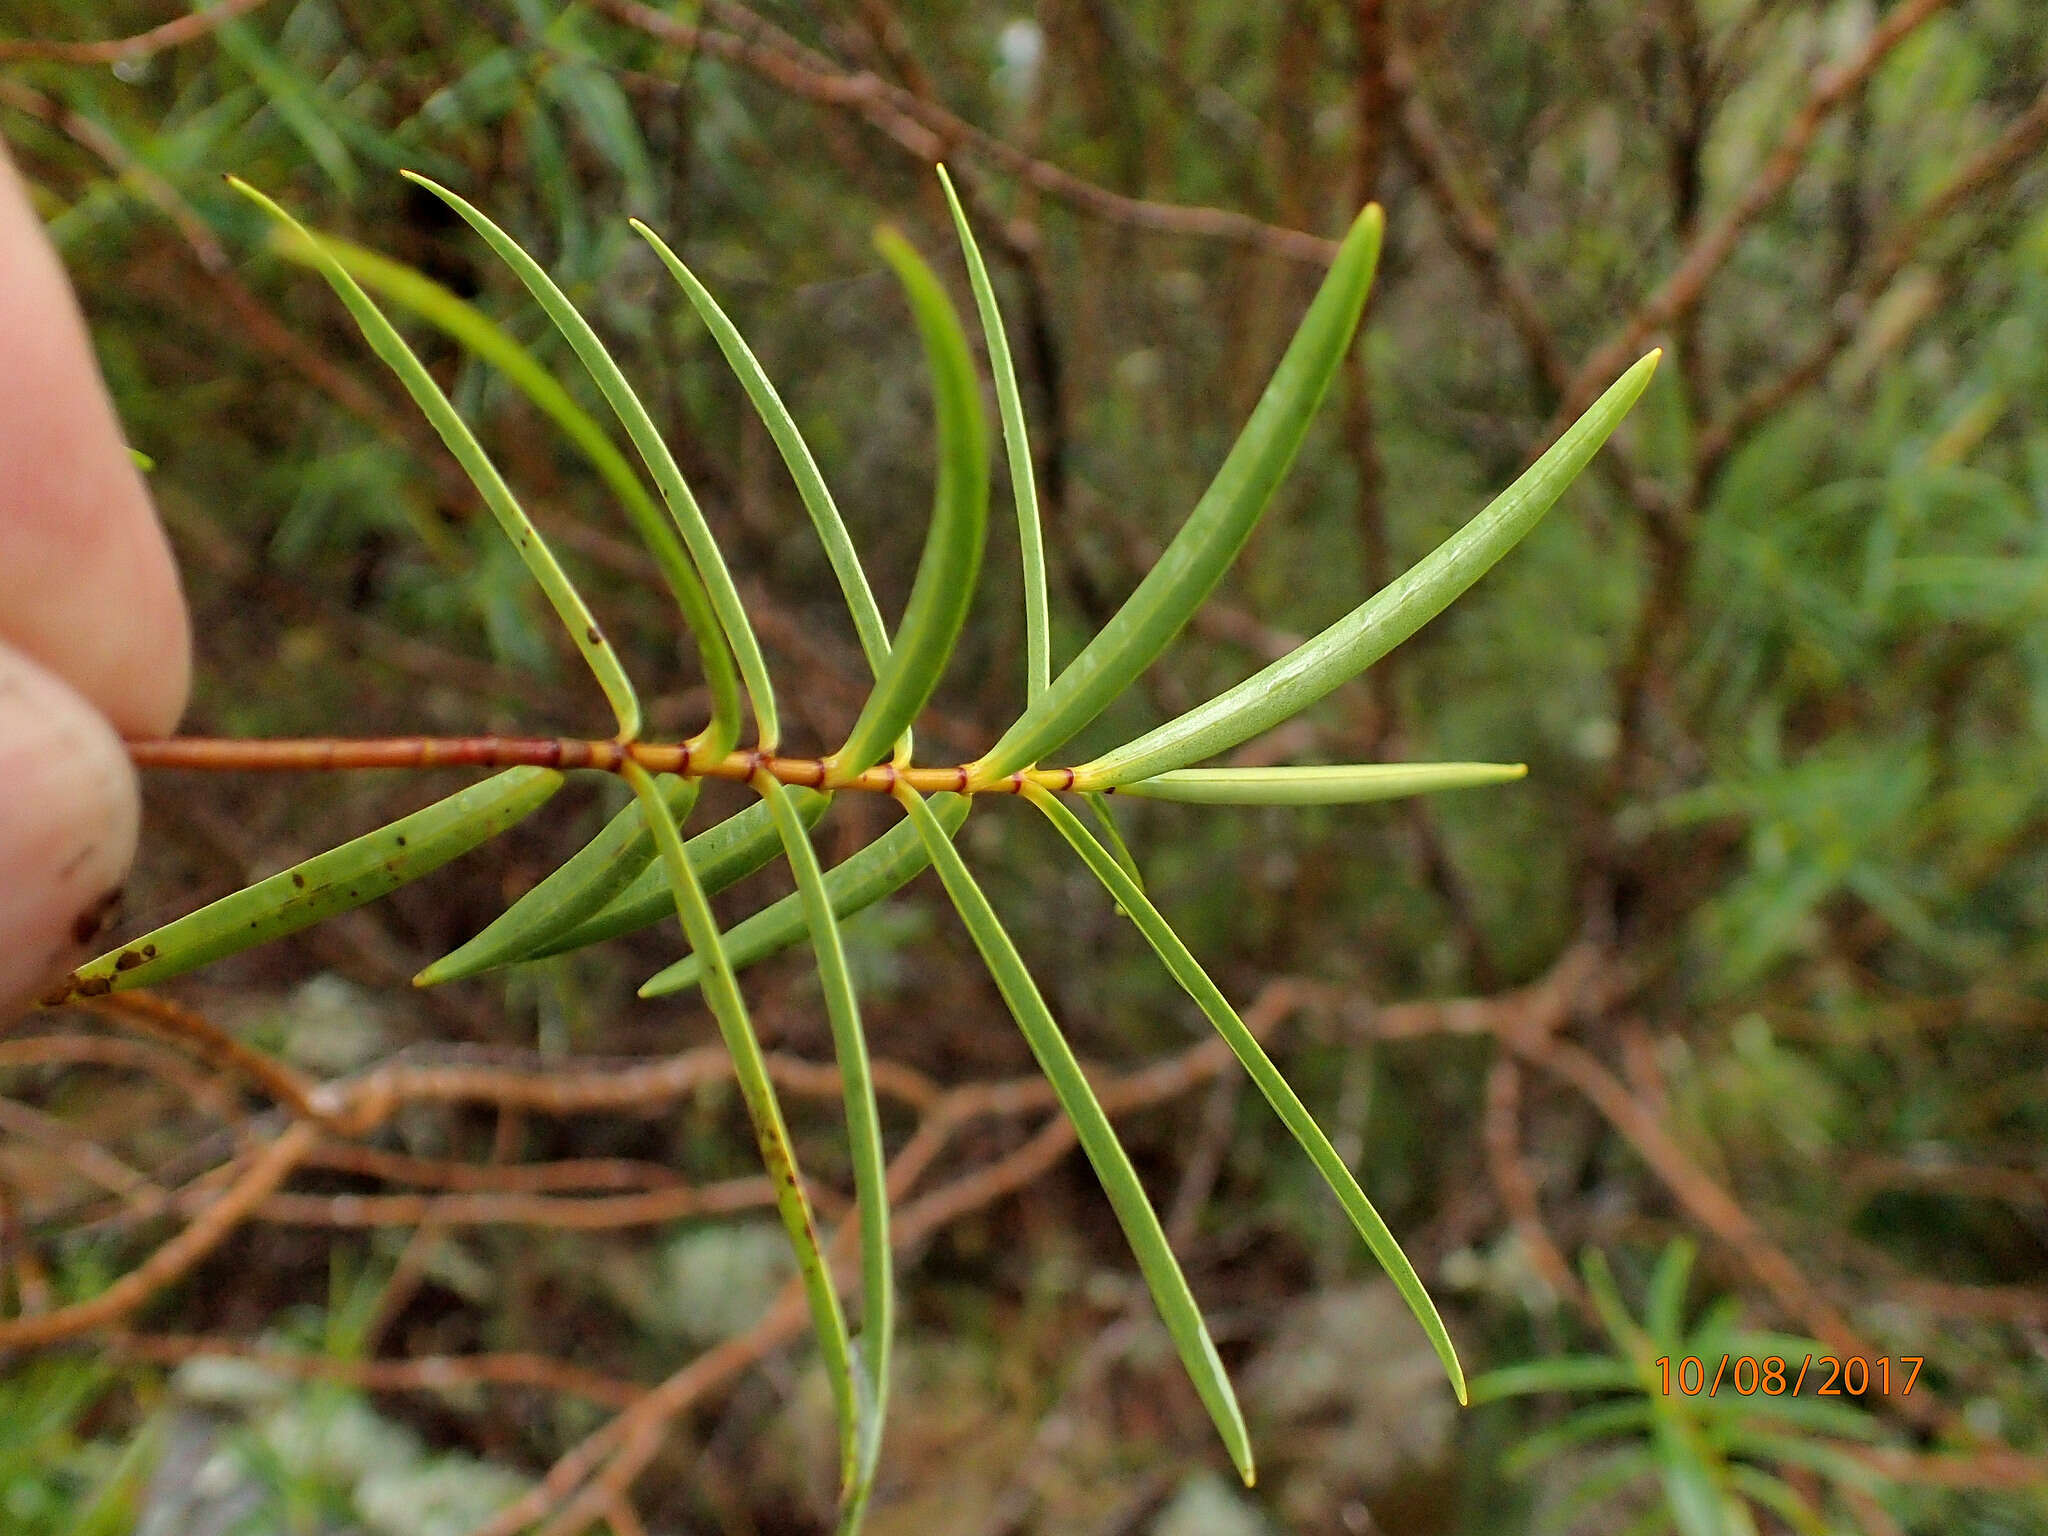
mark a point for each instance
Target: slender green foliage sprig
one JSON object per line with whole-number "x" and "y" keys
{"x": 640, "y": 866}
{"x": 1674, "y": 1413}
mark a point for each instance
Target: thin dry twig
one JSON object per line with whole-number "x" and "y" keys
{"x": 1473, "y": 232}
{"x": 2015, "y": 148}
{"x": 118, "y": 50}
{"x": 425, "y": 1373}
{"x": 931, "y": 132}
{"x": 1585, "y": 983}
{"x": 591, "y": 1213}
{"x": 1516, "y": 1185}
{"x": 159, "y": 1016}
{"x": 1686, "y": 285}
{"x": 267, "y": 1169}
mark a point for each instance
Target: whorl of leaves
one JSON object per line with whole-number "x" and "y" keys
{"x": 640, "y": 868}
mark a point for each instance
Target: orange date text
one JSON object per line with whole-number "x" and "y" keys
{"x": 1789, "y": 1376}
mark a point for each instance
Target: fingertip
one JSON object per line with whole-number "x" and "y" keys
{"x": 87, "y": 583}
{"x": 69, "y": 815}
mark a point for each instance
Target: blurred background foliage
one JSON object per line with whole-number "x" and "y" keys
{"x": 1779, "y": 666}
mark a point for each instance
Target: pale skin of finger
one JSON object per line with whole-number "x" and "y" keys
{"x": 93, "y": 637}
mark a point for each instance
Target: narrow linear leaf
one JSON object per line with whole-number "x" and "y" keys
{"x": 1572, "y": 1373}
{"x": 1830, "y": 1460}
{"x": 298, "y": 107}
{"x": 880, "y": 869}
{"x": 593, "y": 876}
{"x": 1332, "y": 784}
{"x": 1099, "y": 804}
{"x": 1219, "y": 525}
{"x": 1017, "y": 443}
{"x": 771, "y": 1131}
{"x": 1780, "y": 1498}
{"x": 722, "y": 855}
{"x": 951, "y": 563}
{"x": 1629, "y": 1338}
{"x": 357, "y": 872}
{"x": 314, "y": 109}
{"x": 1169, "y": 1287}
{"x": 1664, "y": 1305}
{"x": 1384, "y": 620}
{"x": 485, "y": 338}
{"x": 1693, "y": 1479}
{"x": 1245, "y": 1046}
{"x": 1823, "y": 1416}
{"x": 796, "y": 453}
{"x": 1585, "y": 1427}
{"x": 654, "y": 453}
{"x": 385, "y": 341}
{"x": 1750, "y": 1341}
{"x": 864, "y": 1135}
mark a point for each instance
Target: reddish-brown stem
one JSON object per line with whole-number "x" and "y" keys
{"x": 316, "y": 753}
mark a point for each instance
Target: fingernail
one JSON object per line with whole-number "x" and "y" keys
{"x": 68, "y": 816}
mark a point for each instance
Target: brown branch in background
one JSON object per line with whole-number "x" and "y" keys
{"x": 267, "y": 1169}
{"x": 1370, "y": 40}
{"x": 140, "y": 1056}
{"x": 639, "y": 1431}
{"x": 1203, "y": 1164}
{"x": 84, "y": 1157}
{"x": 425, "y": 1373}
{"x": 254, "y": 319}
{"x": 1686, "y": 285}
{"x": 1720, "y": 1213}
{"x": 588, "y": 1174}
{"x": 110, "y": 152}
{"x": 929, "y": 132}
{"x": 557, "y": 1213}
{"x": 623, "y": 1519}
{"x": 1516, "y": 1185}
{"x": 159, "y": 1016}
{"x": 1473, "y": 232}
{"x": 1585, "y": 983}
{"x": 19, "y": 1257}
{"x": 118, "y": 50}
{"x": 1371, "y": 98}
{"x": 1989, "y": 1468}
{"x": 2011, "y": 151}
{"x": 2023, "y": 1187}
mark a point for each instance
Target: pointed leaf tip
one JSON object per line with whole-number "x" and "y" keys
{"x": 339, "y": 880}
{"x": 1196, "y": 982}
{"x": 1218, "y": 527}
{"x": 392, "y": 349}
{"x": 1017, "y": 444}
{"x": 1308, "y": 672}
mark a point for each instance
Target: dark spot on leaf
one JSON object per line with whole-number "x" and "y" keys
{"x": 94, "y": 986}
{"x": 401, "y": 839}
{"x": 298, "y": 880}
{"x": 128, "y": 959}
{"x": 596, "y": 638}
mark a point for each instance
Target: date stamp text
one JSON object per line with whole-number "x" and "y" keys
{"x": 1782, "y": 1376}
